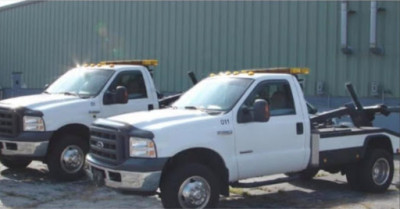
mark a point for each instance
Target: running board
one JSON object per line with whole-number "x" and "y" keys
{"x": 264, "y": 183}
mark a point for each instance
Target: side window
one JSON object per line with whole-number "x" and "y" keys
{"x": 278, "y": 94}
{"x": 134, "y": 83}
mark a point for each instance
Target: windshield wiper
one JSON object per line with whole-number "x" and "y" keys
{"x": 191, "y": 108}
{"x": 76, "y": 94}
{"x": 214, "y": 112}
{"x": 68, "y": 93}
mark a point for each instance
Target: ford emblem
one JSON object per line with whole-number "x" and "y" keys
{"x": 100, "y": 144}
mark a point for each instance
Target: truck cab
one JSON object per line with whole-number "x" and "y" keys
{"x": 54, "y": 126}
{"x": 227, "y": 128}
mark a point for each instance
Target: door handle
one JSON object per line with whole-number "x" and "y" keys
{"x": 246, "y": 152}
{"x": 150, "y": 107}
{"x": 299, "y": 128}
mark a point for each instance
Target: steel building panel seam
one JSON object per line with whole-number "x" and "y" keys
{"x": 51, "y": 36}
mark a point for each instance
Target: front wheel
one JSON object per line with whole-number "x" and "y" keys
{"x": 66, "y": 157}
{"x": 190, "y": 186}
{"x": 376, "y": 171}
{"x": 14, "y": 163}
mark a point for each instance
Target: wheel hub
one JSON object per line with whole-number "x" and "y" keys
{"x": 194, "y": 192}
{"x": 380, "y": 171}
{"x": 72, "y": 159}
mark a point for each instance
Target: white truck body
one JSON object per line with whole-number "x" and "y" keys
{"x": 60, "y": 110}
{"x": 62, "y": 113}
{"x": 283, "y": 144}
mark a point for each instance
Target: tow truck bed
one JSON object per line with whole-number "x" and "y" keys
{"x": 338, "y": 146}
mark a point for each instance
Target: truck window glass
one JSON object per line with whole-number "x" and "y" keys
{"x": 134, "y": 83}
{"x": 278, "y": 94}
{"x": 219, "y": 94}
{"x": 81, "y": 82}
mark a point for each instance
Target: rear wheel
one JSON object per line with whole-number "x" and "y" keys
{"x": 376, "y": 171}
{"x": 190, "y": 186}
{"x": 67, "y": 157}
{"x": 14, "y": 163}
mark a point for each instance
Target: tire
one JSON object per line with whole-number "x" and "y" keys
{"x": 14, "y": 163}
{"x": 376, "y": 171}
{"x": 305, "y": 174}
{"x": 189, "y": 178}
{"x": 66, "y": 157}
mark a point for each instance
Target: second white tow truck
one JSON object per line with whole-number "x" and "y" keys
{"x": 53, "y": 126}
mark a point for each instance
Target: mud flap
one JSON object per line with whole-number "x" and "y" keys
{"x": 98, "y": 177}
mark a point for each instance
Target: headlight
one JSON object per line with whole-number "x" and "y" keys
{"x": 33, "y": 123}
{"x": 140, "y": 147}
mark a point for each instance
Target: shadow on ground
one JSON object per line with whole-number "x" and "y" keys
{"x": 318, "y": 194}
{"x": 27, "y": 175}
{"x": 29, "y": 188}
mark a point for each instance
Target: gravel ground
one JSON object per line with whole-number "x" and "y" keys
{"x": 31, "y": 188}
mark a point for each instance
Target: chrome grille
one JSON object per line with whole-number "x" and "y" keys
{"x": 106, "y": 144}
{"x": 8, "y": 123}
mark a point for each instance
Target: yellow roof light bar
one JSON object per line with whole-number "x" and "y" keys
{"x": 250, "y": 72}
{"x": 295, "y": 70}
{"x": 149, "y": 62}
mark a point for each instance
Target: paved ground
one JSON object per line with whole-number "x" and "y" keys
{"x": 31, "y": 188}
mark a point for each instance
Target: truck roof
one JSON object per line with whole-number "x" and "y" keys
{"x": 269, "y": 73}
{"x": 121, "y": 64}
{"x": 116, "y": 68}
{"x": 258, "y": 76}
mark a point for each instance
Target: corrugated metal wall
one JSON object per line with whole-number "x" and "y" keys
{"x": 43, "y": 40}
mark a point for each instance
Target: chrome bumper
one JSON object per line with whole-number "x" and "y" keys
{"x": 127, "y": 180}
{"x": 36, "y": 149}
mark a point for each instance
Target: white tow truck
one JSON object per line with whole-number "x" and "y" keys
{"x": 235, "y": 126}
{"x": 54, "y": 126}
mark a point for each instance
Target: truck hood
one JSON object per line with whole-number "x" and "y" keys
{"x": 158, "y": 119}
{"x": 38, "y": 101}
{"x": 175, "y": 130}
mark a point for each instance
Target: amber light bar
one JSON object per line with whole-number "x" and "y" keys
{"x": 149, "y": 62}
{"x": 295, "y": 70}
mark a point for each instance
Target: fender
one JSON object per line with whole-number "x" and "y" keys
{"x": 372, "y": 140}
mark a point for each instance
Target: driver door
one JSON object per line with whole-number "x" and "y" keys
{"x": 274, "y": 146}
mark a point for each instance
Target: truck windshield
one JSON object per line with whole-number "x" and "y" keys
{"x": 80, "y": 82}
{"x": 217, "y": 94}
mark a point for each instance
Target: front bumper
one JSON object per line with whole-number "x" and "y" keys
{"x": 27, "y": 144}
{"x": 133, "y": 176}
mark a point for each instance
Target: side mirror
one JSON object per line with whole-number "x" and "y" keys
{"x": 108, "y": 98}
{"x": 261, "y": 110}
{"x": 244, "y": 115}
{"x": 121, "y": 95}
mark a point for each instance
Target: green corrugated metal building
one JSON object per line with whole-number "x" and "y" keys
{"x": 44, "y": 39}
